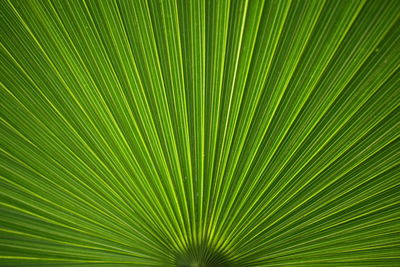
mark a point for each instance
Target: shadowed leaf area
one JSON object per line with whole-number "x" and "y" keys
{"x": 200, "y": 255}
{"x": 199, "y": 133}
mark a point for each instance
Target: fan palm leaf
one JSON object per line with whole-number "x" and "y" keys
{"x": 200, "y": 133}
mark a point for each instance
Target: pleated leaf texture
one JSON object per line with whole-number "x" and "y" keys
{"x": 200, "y": 133}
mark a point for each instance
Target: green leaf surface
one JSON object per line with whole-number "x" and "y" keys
{"x": 199, "y": 133}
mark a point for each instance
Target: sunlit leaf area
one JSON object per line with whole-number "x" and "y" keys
{"x": 199, "y": 133}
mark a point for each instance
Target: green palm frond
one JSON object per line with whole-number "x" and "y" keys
{"x": 200, "y": 133}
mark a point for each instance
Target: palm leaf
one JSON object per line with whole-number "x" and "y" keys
{"x": 199, "y": 133}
